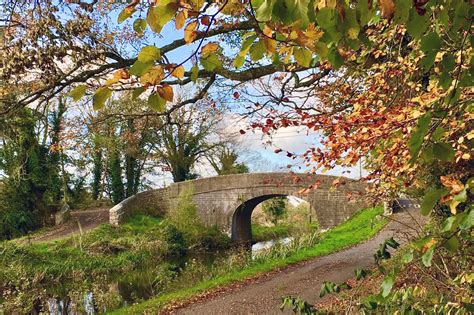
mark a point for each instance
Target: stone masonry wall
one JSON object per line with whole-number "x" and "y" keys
{"x": 217, "y": 198}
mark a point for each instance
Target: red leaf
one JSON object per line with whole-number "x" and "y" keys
{"x": 242, "y": 132}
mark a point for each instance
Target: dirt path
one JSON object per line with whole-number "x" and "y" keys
{"x": 263, "y": 296}
{"x": 86, "y": 219}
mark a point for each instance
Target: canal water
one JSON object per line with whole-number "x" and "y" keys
{"x": 147, "y": 282}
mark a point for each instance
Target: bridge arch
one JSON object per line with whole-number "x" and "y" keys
{"x": 241, "y": 231}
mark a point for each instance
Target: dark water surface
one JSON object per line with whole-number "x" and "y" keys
{"x": 144, "y": 283}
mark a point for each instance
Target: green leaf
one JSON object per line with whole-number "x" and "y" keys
{"x": 137, "y": 92}
{"x": 264, "y": 11}
{"x": 152, "y": 20}
{"x": 387, "y": 285}
{"x": 100, "y": 96}
{"x": 156, "y": 103}
{"x": 303, "y": 56}
{"x": 445, "y": 80}
{"x": 161, "y": 14}
{"x": 428, "y": 61}
{"x": 321, "y": 49}
{"x": 360, "y": 273}
{"x": 139, "y": 26}
{"x": 239, "y": 61}
{"x": 402, "y": 11}
{"x": 326, "y": 18}
{"x": 438, "y": 134}
{"x": 299, "y": 12}
{"x": 417, "y": 24}
{"x": 139, "y": 68}
{"x": 431, "y": 198}
{"x": 407, "y": 257}
{"x": 449, "y": 224}
{"x": 211, "y": 62}
{"x": 452, "y": 244}
{"x": 448, "y": 63}
{"x": 257, "y": 50}
{"x": 148, "y": 54}
{"x": 428, "y": 256}
{"x": 364, "y": 15}
{"x": 194, "y": 73}
{"x": 430, "y": 42}
{"x": 78, "y": 92}
{"x": 335, "y": 58}
{"x": 125, "y": 14}
{"x": 416, "y": 139}
{"x": 427, "y": 153}
{"x": 468, "y": 221}
{"x": 462, "y": 196}
{"x": 443, "y": 151}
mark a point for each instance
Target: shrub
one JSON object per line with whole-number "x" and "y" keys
{"x": 175, "y": 240}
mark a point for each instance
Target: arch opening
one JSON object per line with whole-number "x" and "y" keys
{"x": 241, "y": 231}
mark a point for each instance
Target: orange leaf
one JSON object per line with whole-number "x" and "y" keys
{"x": 166, "y": 92}
{"x": 190, "y": 33}
{"x": 387, "y": 7}
{"x": 178, "y": 72}
{"x": 181, "y": 19}
{"x": 209, "y": 49}
{"x": 152, "y": 77}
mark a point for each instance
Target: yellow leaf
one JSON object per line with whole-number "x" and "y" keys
{"x": 152, "y": 76}
{"x": 270, "y": 45}
{"x": 267, "y": 31}
{"x": 209, "y": 49}
{"x": 326, "y": 4}
{"x": 190, "y": 33}
{"x": 181, "y": 19}
{"x": 178, "y": 72}
{"x": 118, "y": 75}
{"x": 452, "y": 206}
{"x": 166, "y": 92}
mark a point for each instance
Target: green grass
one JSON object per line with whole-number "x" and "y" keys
{"x": 358, "y": 228}
{"x": 103, "y": 250}
{"x": 264, "y": 233}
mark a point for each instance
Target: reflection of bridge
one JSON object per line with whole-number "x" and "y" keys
{"x": 228, "y": 201}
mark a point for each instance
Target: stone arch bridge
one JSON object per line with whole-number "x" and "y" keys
{"x": 228, "y": 201}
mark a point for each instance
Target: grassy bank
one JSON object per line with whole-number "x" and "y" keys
{"x": 30, "y": 272}
{"x": 362, "y": 226}
{"x": 262, "y": 233}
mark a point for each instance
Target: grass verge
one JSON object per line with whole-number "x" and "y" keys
{"x": 360, "y": 227}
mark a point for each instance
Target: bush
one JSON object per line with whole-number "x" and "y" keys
{"x": 175, "y": 240}
{"x": 183, "y": 217}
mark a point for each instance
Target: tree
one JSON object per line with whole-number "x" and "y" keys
{"x": 98, "y": 168}
{"x": 31, "y": 184}
{"x": 275, "y": 208}
{"x": 185, "y": 139}
{"x": 226, "y": 162}
{"x": 115, "y": 176}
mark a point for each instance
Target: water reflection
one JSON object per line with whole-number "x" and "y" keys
{"x": 139, "y": 285}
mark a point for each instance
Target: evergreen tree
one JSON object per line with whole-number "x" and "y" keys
{"x": 115, "y": 176}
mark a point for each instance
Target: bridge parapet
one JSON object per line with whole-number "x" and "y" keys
{"x": 218, "y": 199}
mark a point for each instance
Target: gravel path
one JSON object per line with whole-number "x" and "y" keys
{"x": 86, "y": 219}
{"x": 263, "y": 296}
